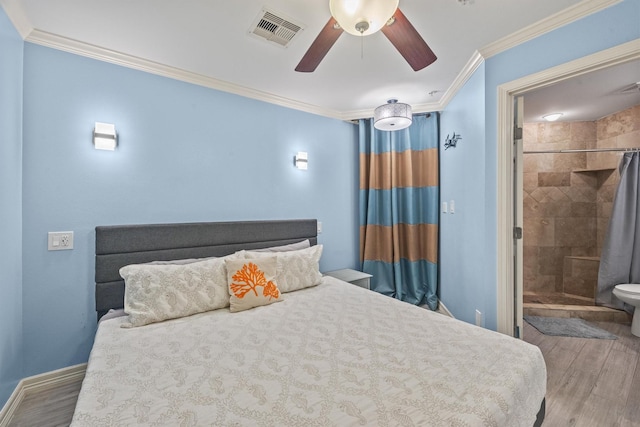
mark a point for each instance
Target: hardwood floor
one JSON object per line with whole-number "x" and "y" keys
{"x": 590, "y": 382}
{"x": 53, "y": 408}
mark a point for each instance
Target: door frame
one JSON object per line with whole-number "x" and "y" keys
{"x": 517, "y": 142}
{"x": 506, "y": 308}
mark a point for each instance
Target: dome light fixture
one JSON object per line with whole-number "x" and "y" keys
{"x": 393, "y": 115}
{"x": 362, "y": 17}
{"x": 552, "y": 117}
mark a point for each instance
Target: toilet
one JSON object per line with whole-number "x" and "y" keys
{"x": 630, "y": 293}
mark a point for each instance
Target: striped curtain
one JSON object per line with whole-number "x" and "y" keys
{"x": 399, "y": 197}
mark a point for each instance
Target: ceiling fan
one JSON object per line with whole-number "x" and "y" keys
{"x": 365, "y": 17}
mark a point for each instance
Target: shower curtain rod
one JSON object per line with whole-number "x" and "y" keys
{"x": 582, "y": 150}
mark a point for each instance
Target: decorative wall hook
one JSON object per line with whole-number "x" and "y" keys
{"x": 453, "y": 141}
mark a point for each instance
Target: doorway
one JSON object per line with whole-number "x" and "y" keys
{"x": 510, "y": 282}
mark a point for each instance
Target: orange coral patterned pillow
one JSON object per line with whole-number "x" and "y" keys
{"x": 252, "y": 283}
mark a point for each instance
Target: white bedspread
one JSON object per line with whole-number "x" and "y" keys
{"x": 335, "y": 354}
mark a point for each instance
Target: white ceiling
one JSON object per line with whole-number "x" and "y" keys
{"x": 207, "y": 42}
{"x": 588, "y": 97}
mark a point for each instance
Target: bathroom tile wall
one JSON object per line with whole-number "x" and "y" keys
{"x": 567, "y": 199}
{"x": 559, "y": 207}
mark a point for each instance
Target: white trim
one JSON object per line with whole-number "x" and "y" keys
{"x": 465, "y": 74}
{"x": 416, "y": 108}
{"x": 461, "y": 79}
{"x": 504, "y": 272}
{"x": 44, "y": 38}
{"x": 444, "y": 309}
{"x": 616, "y": 55}
{"x": 557, "y": 20}
{"x": 39, "y": 383}
{"x": 425, "y": 108}
{"x": 15, "y": 12}
{"x": 11, "y": 406}
{"x": 625, "y": 52}
{"x": 29, "y": 34}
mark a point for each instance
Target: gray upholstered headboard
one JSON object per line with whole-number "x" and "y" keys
{"x": 120, "y": 245}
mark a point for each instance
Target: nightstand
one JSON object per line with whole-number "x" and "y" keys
{"x": 354, "y": 277}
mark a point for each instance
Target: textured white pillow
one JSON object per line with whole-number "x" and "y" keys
{"x": 252, "y": 283}
{"x": 295, "y": 269}
{"x": 286, "y": 248}
{"x": 154, "y": 293}
{"x": 179, "y": 261}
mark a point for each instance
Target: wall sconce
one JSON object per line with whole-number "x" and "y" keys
{"x": 104, "y": 136}
{"x": 301, "y": 160}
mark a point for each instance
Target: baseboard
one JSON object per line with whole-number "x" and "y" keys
{"x": 444, "y": 309}
{"x": 9, "y": 408}
{"x": 39, "y": 383}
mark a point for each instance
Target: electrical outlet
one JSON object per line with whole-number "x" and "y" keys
{"x": 60, "y": 240}
{"x": 478, "y": 318}
{"x": 319, "y": 227}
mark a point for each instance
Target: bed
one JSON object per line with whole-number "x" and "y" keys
{"x": 328, "y": 354}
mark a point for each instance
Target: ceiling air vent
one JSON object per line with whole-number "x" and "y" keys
{"x": 274, "y": 28}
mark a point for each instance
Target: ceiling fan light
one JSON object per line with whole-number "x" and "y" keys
{"x": 393, "y": 115}
{"x": 552, "y": 117}
{"x": 350, "y": 14}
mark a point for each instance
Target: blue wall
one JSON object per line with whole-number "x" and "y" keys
{"x": 10, "y": 207}
{"x": 184, "y": 156}
{"x": 463, "y": 274}
{"x": 186, "y": 153}
{"x": 611, "y": 27}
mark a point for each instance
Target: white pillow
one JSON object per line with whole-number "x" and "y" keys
{"x": 238, "y": 254}
{"x": 112, "y": 314}
{"x": 295, "y": 269}
{"x": 179, "y": 261}
{"x": 286, "y": 248}
{"x": 154, "y": 293}
{"x": 252, "y": 283}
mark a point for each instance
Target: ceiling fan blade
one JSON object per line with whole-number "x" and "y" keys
{"x": 409, "y": 43}
{"x": 320, "y": 46}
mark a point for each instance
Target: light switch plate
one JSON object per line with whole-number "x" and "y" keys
{"x": 60, "y": 240}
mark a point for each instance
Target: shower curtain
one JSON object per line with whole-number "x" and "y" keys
{"x": 620, "y": 259}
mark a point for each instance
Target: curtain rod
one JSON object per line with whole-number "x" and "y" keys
{"x": 357, "y": 121}
{"x": 583, "y": 150}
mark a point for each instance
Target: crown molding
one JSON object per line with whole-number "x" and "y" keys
{"x": 44, "y": 38}
{"x": 357, "y": 114}
{"x": 461, "y": 79}
{"x": 367, "y": 113}
{"x": 426, "y": 108}
{"x": 18, "y": 18}
{"x": 24, "y": 27}
{"x": 551, "y": 23}
{"x": 619, "y": 54}
{"x": 465, "y": 74}
{"x": 557, "y": 20}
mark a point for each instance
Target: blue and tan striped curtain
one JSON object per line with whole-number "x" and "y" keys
{"x": 399, "y": 196}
